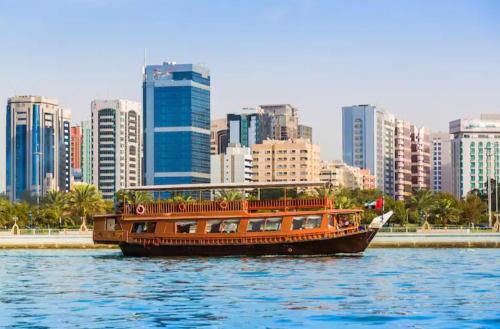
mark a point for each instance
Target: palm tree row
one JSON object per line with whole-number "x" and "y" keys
{"x": 56, "y": 209}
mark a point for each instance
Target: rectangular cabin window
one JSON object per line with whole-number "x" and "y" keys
{"x": 331, "y": 221}
{"x": 110, "y": 224}
{"x": 304, "y": 223}
{"x": 144, "y": 227}
{"x": 213, "y": 226}
{"x": 222, "y": 226}
{"x": 185, "y": 227}
{"x": 267, "y": 224}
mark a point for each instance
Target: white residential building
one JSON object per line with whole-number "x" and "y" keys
{"x": 116, "y": 145}
{"x": 234, "y": 166}
{"x": 475, "y": 153}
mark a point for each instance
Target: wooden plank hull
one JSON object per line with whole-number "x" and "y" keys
{"x": 353, "y": 243}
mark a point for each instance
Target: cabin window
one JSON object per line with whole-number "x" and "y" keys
{"x": 230, "y": 226}
{"x": 331, "y": 221}
{"x": 267, "y": 224}
{"x": 110, "y": 224}
{"x": 144, "y": 227}
{"x": 303, "y": 223}
{"x": 222, "y": 226}
{"x": 185, "y": 227}
{"x": 213, "y": 226}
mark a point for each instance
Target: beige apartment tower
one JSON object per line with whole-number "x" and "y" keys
{"x": 286, "y": 161}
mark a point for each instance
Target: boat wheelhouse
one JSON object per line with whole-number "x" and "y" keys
{"x": 222, "y": 226}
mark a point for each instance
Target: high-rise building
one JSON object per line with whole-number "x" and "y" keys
{"x": 286, "y": 161}
{"x": 368, "y": 142}
{"x": 176, "y": 100}
{"x": 76, "y": 153}
{"x": 86, "y": 160}
{"x": 234, "y": 166}
{"x": 248, "y": 128}
{"x": 282, "y": 121}
{"x": 475, "y": 153}
{"x": 304, "y": 132}
{"x": 441, "y": 178}
{"x": 218, "y": 136}
{"x": 420, "y": 159}
{"x": 116, "y": 145}
{"x": 37, "y": 146}
{"x": 402, "y": 160}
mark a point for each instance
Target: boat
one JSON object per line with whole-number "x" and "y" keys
{"x": 250, "y": 226}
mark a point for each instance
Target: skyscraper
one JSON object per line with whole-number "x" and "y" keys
{"x": 420, "y": 159}
{"x": 37, "y": 146}
{"x": 87, "y": 151}
{"x": 116, "y": 145}
{"x": 475, "y": 153}
{"x": 176, "y": 99}
{"x": 368, "y": 142}
{"x": 402, "y": 159}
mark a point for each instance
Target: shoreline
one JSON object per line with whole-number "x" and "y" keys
{"x": 382, "y": 240}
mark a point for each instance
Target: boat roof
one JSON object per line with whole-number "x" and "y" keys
{"x": 206, "y": 187}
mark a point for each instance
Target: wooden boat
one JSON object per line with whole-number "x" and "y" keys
{"x": 283, "y": 226}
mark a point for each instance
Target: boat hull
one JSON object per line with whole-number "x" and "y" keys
{"x": 352, "y": 243}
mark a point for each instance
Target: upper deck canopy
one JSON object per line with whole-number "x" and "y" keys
{"x": 241, "y": 186}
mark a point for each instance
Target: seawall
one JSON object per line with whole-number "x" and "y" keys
{"x": 382, "y": 240}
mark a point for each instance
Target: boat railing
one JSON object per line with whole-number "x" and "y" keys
{"x": 290, "y": 204}
{"x": 163, "y": 207}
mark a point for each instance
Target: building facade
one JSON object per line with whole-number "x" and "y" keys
{"x": 304, "y": 132}
{"x": 341, "y": 175}
{"x": 234, "y": 166}
{"x": 441, "y": 172}
{"x": 420, "y": 159}
{"x": 402, "y": 160}
{"x": 248, "y": 128}
{"x": 368, "y": 142}
{"x": 86, "y": 154}
{"x": 76, "y": 153}
{"x": 37, "y": 146}
{"x": 286, "y": 161}
{"x": 282, "y": 121}
{"x": 176, "y": 100}
{"x": 116, "y": 145}
{"x": 475, "y": 153}
{"x": 218, "y": 136}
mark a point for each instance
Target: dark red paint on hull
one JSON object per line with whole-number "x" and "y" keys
{"x": 354, "y": 243}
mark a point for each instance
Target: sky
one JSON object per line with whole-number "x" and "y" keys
{"x": 428, "y": 62}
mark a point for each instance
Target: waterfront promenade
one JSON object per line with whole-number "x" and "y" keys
{"x": 425, "y": 239}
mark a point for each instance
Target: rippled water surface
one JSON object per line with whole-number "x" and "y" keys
{"x": 394, "y": 288}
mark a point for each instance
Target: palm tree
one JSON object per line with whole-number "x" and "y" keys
{"x": 229, "y": 195}
{"x": 421, "y": 200}
{"x": 445, "y": 210}
{"x": 56, "y": 203}
{"x": 325, "y": 192}
{"x": 7, "y": 211}
{"x": 85, "y": 200}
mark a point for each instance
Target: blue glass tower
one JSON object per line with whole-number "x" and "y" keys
{"x": 34, "y": 161}
{"x": 176, "y": 103}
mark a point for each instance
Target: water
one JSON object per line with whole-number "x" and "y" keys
{"x": 393, "y": 288}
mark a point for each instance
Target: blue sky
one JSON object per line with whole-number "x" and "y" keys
{"x": 426, "y": 61}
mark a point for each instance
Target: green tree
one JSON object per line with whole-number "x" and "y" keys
{"x": 444, "y": 210}
{"x": 55, "y": 206}
{"x": 7, "y": 212}
{"x": 473, "y": 209}
{"x": 421, "y": 201}
{"x": 84, "y": 201}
